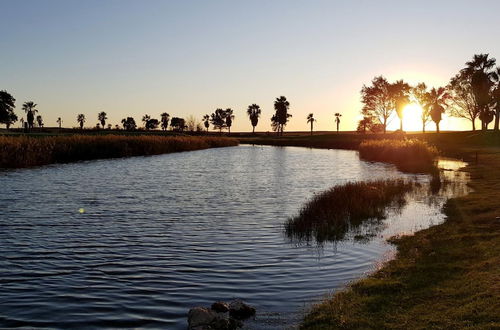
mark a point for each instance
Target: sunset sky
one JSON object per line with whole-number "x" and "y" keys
{"x": 130, "y": 58}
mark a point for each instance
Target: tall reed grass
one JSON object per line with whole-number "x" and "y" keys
{"x": 25, "y": 151}
{"x": 330, "y": 215}
{"x": 409, "y": 155}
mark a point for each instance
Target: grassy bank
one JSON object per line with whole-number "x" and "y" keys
{"x": 447, "y": 276}
{"x": 409, "y": 155}
{"x": 25, "y": 151}
{"x": 444, "y": 277}
{"x": 328, "y": 216}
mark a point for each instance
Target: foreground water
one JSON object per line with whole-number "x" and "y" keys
{"x": 136, "y": 242}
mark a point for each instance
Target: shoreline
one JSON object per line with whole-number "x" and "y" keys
{"x": 435, "y": 279}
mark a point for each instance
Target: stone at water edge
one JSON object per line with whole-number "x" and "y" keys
{"x": 200, "y": 317}
{"x": 239, "y": 310}
{"x": 220, "y": 307}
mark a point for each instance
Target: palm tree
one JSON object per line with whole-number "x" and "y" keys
{"x": 229, "y": 118}
{"x": 81, "y": 120}
{"x": 102, "y": 116}
{"x": 206, "y": 121}
{"x": 281, "y": 105}
{"x": 399, "y": 94}
{"x": 145, "y": 120}
{"x": 30, "y": 109}
{"x": 436, "y": 100}
{"x": 482, "y": 77}
{"x": 164, "y": 120}
{"x": 337, "y": 120}
{"x": 59, "y": 122}
{"x": 39, "y": 120}
{"x": 310, "y": 119}
{"x": 253, "y": 113}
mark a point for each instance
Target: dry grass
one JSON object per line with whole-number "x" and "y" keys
{"x": 409, "y": 155}
{"x": 25, "y": 151}
{"x": 330, "y": 215}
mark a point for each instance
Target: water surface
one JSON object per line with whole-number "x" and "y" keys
{"x": 136, "y": 242}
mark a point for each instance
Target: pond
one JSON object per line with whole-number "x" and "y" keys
{"x": 136, "y": 242}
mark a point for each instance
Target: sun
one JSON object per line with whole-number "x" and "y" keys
{"x": 412, "y": 117}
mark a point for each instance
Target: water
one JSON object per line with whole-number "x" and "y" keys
{"x": 136, "y": 242}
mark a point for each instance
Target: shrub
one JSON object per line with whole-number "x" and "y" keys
{"x": 32, "y": 151}
{"x": 409, "y": 155}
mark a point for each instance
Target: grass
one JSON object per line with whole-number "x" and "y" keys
{"x": 329, "y": 216}
{"x": 409, "y": 155}
{"x": 25, "y": 151}
{"x": 444, "y": 277}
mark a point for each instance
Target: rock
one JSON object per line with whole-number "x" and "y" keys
{"x": 240, "y": 311}
{"x": 200, "y": 318}
{"x": 220, "y": 307}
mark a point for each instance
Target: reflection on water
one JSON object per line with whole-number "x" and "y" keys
{"x": 164, "y": 233}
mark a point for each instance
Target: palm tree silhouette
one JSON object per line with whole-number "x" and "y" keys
{"x": 253, "y": 113}
{"x": 30, "y": 109}
{"x": 145, "y": 120}
{"x": 81, "y": 120}
{"x": 164, "y": 120}
{"x": 310, "y": 119}
{"x": 101, "y": 117}
{"x": 206, "y": 121}
{"x": 436, "y": 100}
{"x": 229, "y": 118}
{"x": 59, "y": 122}
{"x": 280, "y": 118}
{"x": 482, "y": 77}
{"x": 337, "y": 120}
{"x": 39, "y": 120}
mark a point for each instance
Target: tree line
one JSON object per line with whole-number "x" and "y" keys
{"x": 220, "y": 119}
{"x": 473, "y": 93}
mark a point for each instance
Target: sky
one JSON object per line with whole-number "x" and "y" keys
{"x": 130, "y": 58}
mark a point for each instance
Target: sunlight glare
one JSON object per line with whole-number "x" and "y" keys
{"x": 412, "y": 117}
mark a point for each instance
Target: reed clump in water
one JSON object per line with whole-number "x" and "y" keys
{"x": 330, "y": 215}
{"x": 409, "y": 155}
{"x": 25, "y": 151}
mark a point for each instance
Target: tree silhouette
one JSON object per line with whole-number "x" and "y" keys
{"x": 218, "y": 119}
{"x": 482, "y": 77}
{"x": 81, "y": 120}
{"x": 206, "y": 121}
{"x": 59, "y": 122}
{"x": 145, "y": 120}
{"x": 377, "y": 101}
{"x": 253, "y": 112}
{"x": 310, "y": 119}
{"x": 164, "y": 120}
{"x": 39, "y": 120}
{"x": 7, "y": 105}
{"x": 437, "y": 101}
{"x": 101, "y": 117}
{"x": 281, "y": 116}
{"x": 30, "y": 109}
{"x": 463, "y": 104}
{"x": 420, "y": 94}
{"x": 129, "y": 124}
{"x": 399, "y": 93}
{"x": 495, "y": 98}
{"x": 337, "y": 120}
{"x": 229, "y": 119}
{"x": 178, "y": 124}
